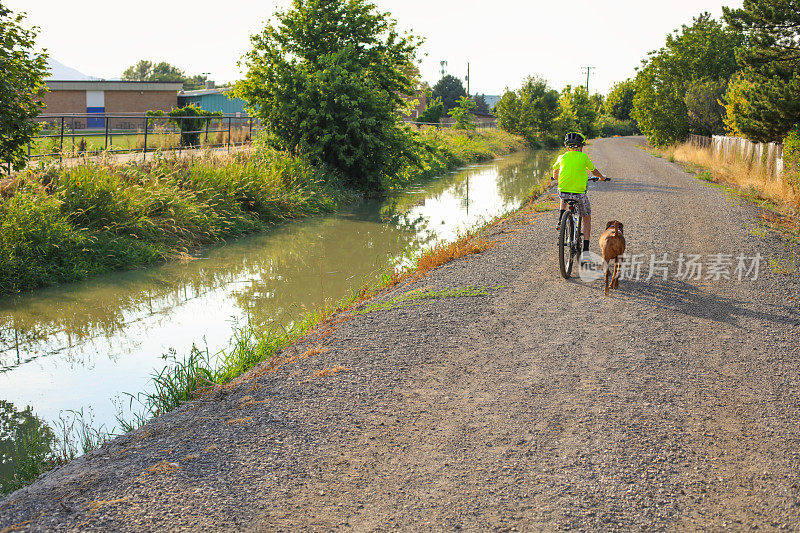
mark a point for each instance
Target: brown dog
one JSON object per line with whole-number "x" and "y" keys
{"x": 612, "y": 246}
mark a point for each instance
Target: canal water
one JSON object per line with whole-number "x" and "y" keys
{"x": 82, "y": 346}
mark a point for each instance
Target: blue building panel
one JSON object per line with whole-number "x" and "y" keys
{"x": 216, "y": 101}
{"x": 98, "y": 121}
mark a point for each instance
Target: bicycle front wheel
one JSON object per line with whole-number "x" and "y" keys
{"x": 566, "y": 235}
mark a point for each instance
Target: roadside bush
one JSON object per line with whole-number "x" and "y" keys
{"x": 433, "y": 113}
{"x": 608, "y": 126}
{"x": 791, "y": 157}
{"x": 38, "y": 245}
{"x": 465, "y": 120}
{"x": 190, "y": 128}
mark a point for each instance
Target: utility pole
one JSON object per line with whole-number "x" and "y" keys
{"x": 444, "y": 67}
{"x": 468, "y": 94}
{"x": 588, "y": 71}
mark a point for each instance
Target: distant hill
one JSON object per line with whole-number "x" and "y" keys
{"x": 61, "y": 72}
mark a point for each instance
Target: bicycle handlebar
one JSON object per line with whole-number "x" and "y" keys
{"x": 593, "y": 178}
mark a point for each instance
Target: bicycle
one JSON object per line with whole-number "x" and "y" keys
{"x": 570, "y": 237}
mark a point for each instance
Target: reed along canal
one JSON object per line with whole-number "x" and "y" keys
{"x": 83, "y": 346}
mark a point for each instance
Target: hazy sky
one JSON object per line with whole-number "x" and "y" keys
{"x": 503, "y": 40}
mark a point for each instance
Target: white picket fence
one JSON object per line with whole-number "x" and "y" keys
{"x": 767, "y": 157}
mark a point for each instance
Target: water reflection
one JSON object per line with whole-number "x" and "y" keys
{"x": 15, "y": 427}
{"x": 79, "y": 345}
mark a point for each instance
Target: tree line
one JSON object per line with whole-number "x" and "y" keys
{"x": 739, "y": 75}
{"x": 542, "y": 115}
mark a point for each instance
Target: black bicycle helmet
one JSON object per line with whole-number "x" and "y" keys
{"x": 574, "y": 138}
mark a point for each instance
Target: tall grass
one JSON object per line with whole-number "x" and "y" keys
{"x": 750, "y": 178}
{"x": 66, "y": 224}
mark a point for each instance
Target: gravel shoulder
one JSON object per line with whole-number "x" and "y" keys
{"x": 540, "y": 404}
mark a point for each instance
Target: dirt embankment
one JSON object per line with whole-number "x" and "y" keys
{"x": 532, "y": 403}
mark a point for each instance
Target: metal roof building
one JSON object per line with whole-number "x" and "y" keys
{"x": 214, "y": 100}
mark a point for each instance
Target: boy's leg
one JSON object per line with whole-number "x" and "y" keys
{"x": 562, "y": 208}
{"x": 587, "y": 228}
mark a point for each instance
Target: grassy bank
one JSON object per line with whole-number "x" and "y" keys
{"x": 65, "y": 224}
{"x": 750, "y": 180}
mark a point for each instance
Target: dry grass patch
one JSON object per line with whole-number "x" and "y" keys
{"x": 96, "y": 505}
{"x": 446, "y": 252}
{"x": 327, "y": 372}
{"x": 247, "y": 401}
{"x": 16, "y": 527}
{"x": 734, "y": 171}
{"x": 161, "y": 467}
{"x": 244, "y": 420}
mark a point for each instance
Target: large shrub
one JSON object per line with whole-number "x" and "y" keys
{"x": 190, "y": 120}
{"x": 791, "y": 156}
{"x": 21, "y": 88}
{"x": 530, "y": 111}
{"x": 328, "y": 78}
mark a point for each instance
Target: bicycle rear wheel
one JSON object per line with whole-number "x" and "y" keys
{"x": 566, "y": 235}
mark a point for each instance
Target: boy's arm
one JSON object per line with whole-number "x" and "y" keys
{"x": 597, "y": 173}
{"x": 556, "y": 172}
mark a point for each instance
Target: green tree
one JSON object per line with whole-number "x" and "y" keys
{"x": 148, "y": 71}
{"x": 578, "y": 110}
{"x": 141, "y": 71}
{"x": 145, "y": 70}
{"x": 507, "y": 110}
{"x": 465, "y": 120}
{"x": 449, "y": 89}
{"x": 21, "y": 88}
{"x": 763, "y": 102}
{"x": 530, "y": 111}
{"x": 705, "y": 113}
{"x": 327, "y": 79}
{"x": 190, "y": 120}
{"x": 619, "y": 101}
{"x": 480, "y": 104}
{"x": 26, "y": 447}
{"x": 433, "y": 113}
{"x": 704, "y": 50}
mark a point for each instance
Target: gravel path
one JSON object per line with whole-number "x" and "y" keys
{"x": 540, "y": 405}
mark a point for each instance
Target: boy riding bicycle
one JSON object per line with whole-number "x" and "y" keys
{"x": 569, "y": 171}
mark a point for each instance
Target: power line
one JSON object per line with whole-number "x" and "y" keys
{"x": 587, "y": 71}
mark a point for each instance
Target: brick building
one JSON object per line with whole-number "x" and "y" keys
{"x": 133, "y": 98}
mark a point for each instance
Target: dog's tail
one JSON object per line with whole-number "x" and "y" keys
{"x": 616, "y": 231}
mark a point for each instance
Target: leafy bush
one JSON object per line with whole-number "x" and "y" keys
{"x": 608, "y": 126}
{"x": 791, "y": 156}
{"x": 22, "y": 90}
{"x": 190, "y": 128}
{"x": 465, "y": 120}
{"x": 433, "y": 113}
{"x": 530, "y": 111}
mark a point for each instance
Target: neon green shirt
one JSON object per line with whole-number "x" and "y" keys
{"x": 572, "y": 175}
